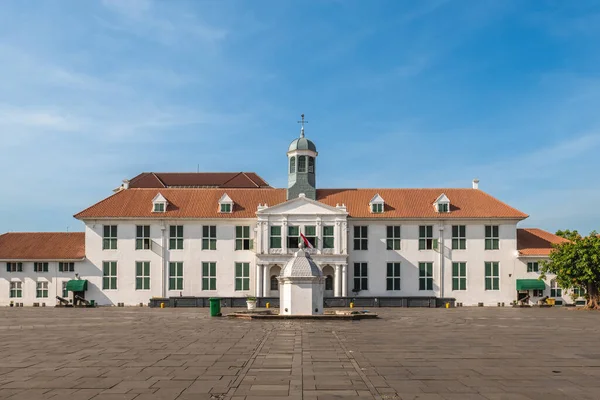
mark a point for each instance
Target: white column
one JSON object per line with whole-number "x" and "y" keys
{"x": 336, "y": 281}
{"x": 266, "y": 280}
{"x": 344, "y": 280}
{"x": 259, "y": 269}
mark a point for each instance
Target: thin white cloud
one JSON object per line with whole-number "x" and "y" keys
{"x": 161, "y": 22}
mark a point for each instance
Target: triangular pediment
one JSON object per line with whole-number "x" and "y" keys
{"x": 225, "y": 199}
{"x": 159, "y": 198}
{"x": 377, "y": 199}
{"x": 442, "y": 199}
{"x": 302, "y": 206}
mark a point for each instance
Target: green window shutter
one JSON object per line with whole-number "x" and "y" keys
{"x": 138, "y": 268}
{"x": 238, "y": 283}
{"x": 204, "y": 269}
{"x": 454, "y": 269}
{"x": 246, "y": 269}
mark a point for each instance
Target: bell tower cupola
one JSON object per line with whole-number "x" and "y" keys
{"x": 302, "y": 167}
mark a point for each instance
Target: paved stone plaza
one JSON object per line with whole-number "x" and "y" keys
{"x": 462, "y": 354}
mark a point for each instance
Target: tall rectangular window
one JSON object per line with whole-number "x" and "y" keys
{"x": 425, "y": 237}
{"x": 292, "y": 238}
{"x": 361, "y": 239}
{"x": 425, "y": 276}
{"x": 41, "y": 290}
{"x": 142, "y": 275}
{"x": 459, "y": 237}
{"x": 66, "y": 267}
{"x": 14, "y": 267}
{"x": 328, "y": 237}
{"x": 275, "y": 238}
{"x": 109, "y": 238}
{"x": 310, "y": 232}
{"x": 40, "y": 267}
{"x": 302, "y": 164}
{"x": 142, "y": 238}
{"x": 492, "y": 241}
{"x": 361, "y": 276}
{"x": 176, "y": 237}
{"x": 393, "y": 238}
{"x": 492, "y": 276}
{"x": 175, "y": 276}
{"x": 209, "y": 276}
{"x": 209, "y": 237}
{"x": 242, "y": 276}
{"x": 242, "y": 238}
{"x": 393, "y": 276}
{"x": 459, "y": 276}
{"x": 555, "y": 290}
{"x": 533, "y": 267}
{"x": 65, "y": 292}
{"x": 16, "y": 289}
{"x": 109, "y": 275}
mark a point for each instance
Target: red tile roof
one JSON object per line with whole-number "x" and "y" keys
{"x": 42, "y": 246}
{"x": 198, "y": 180}
{"x": 536, "y": 242}
{"x": 203, "y": 203}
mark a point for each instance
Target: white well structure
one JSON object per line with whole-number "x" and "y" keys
{"x": 301, "y": 286}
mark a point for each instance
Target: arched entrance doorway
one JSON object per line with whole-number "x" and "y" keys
{"x": 273, "y": 282}
{"x": 328, "y": 273}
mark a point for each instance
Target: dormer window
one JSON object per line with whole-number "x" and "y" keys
{"x": 442, "y": 204}
{"x": 377, "y": 204}
{"x": 159, "y": 204}
{"x": 225, "y": 204}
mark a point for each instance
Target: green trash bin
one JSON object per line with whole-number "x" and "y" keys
{"x": 215, "y": 307}
{"x": 93, "y": 303}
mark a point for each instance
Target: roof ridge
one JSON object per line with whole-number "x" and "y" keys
{"x": 232, "y": 178}
{"x": 503, "y": 203}
{"x": 105, "y": 199}
{"x": 158, "y": 179}
{"x": 262, "y": 179}
{"x": 255, "y": 184}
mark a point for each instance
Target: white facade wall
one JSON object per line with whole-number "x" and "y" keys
{"x": 339, "y": 261}
{"x": 29, "y": 279}
{"x": 475, "y": 256}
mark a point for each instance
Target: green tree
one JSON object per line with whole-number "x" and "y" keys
{"x": 576, "y": 264}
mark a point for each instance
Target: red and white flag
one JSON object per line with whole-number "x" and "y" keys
{"x": 306, "y": 242}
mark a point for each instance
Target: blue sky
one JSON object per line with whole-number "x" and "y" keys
{"x": 397, "y": 94}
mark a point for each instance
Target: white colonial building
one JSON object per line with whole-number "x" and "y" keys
{"x": 229, "y": 234}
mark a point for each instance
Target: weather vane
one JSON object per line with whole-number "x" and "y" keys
{"x": 302, "y": 122}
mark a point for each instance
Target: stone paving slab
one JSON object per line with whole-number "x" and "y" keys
{"x": 151, "y": 354}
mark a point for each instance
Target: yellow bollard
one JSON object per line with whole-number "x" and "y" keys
{"x": 162, "y": 305}
{"x": 268, "y": 305}
{"x": 351, "y": 305}
{"x": 447, "y": 305}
